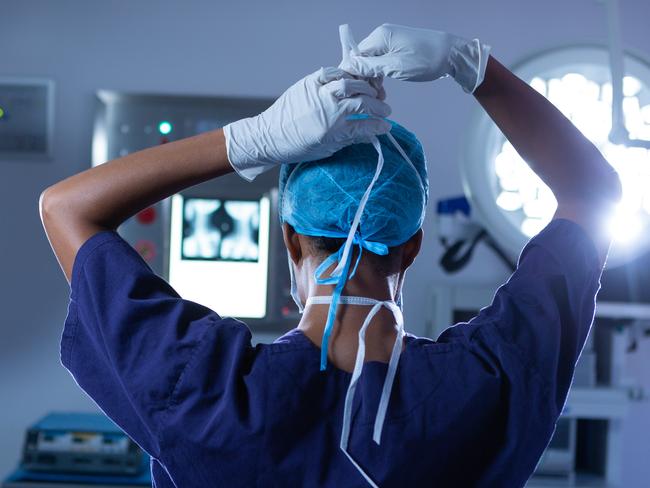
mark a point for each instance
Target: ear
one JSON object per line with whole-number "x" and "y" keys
{"x": 411, "y": 249}
{"x": 292, "y": 242}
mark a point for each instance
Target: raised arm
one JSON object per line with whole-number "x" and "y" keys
{"x": 102, "y": 198}
{"x": 309, "y": 121}
{"x": 584, "y": 184}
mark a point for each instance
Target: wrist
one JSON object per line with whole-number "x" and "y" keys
{"x": 246, "y": 159}
{"x": 468, "y": 62}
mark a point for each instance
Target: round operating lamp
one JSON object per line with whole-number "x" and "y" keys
{"x": 513, "y": 203}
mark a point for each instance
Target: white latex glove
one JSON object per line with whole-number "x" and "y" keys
{"x": 407, "y": 53}
{"x": 310, "y": 121}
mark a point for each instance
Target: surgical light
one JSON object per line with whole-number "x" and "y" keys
{"x": 582, "y": 101}
{"x": 514, "y": 203}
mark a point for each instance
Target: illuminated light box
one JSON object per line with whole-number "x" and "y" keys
{"x": 218, "y": 253}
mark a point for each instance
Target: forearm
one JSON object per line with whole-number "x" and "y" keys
{"x": 103, "y": 197}
{"x": 553, "y": 147}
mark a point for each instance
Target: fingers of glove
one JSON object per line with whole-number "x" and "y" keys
{"x": 363, "y": 104}
{"x": 372, "y": 66}
{"x": 346, "y": 88}
{"x": 348, "y": 44}
{"x": 377, "y": 42}
{"x": 378, "y": 84}
{"x": 362, "y": 130}
{"x": 328, "y": 74}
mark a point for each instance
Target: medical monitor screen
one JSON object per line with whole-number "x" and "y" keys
{"x": 219, "y": 253}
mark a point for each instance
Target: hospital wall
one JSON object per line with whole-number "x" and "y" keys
{"x": 235, "y": 48}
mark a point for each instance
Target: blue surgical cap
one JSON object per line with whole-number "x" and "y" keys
{"x": 320, "y": 198}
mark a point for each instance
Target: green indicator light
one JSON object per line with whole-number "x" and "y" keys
{"x": 2, "y": 112}
{"x": 165, "y": 128}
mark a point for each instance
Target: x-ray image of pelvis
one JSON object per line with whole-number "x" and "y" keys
{"x": 221, "y": 230}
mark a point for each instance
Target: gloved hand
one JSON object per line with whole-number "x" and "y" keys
{"x": 310, "y": 121}
{"x": 407, "y": 53}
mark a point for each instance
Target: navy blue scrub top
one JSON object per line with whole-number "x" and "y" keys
{"x": 477, "y": 407}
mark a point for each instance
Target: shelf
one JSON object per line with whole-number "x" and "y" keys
{"x": 597, "y": 403}
{"x": 621, "y": 310}
{"x": 581, "y": 481}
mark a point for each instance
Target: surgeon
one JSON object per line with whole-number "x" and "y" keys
{"x": 347, "y": 398}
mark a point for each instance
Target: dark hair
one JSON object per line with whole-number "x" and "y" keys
{"x": 384, "y": 265}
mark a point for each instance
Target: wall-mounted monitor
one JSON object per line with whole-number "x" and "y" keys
{"x": 219, "y": 253}
{"x": 26, "y": 118}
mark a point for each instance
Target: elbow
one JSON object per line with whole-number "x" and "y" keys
{"x": 606, "y": 187}
{"x": 607, "y": 194}
{"x": 602, "y": 185}
{"x": 47, "y": 206}
{"x": 597, "y": 186}
{"x": 44, "y": 205}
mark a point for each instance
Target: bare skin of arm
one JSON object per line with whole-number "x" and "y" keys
{"x": 585, "y": 185}
{"x": 103, "y": 197}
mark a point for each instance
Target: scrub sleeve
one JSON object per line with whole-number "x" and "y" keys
{"x": 129, "y": 340}
{"x": 526, "y": 343}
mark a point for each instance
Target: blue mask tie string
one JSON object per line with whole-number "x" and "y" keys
{"x": 331, "y": 313}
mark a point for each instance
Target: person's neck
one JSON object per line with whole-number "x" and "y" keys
{"x": 344, "y": 340}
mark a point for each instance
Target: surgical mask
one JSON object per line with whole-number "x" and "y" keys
{"x": 294, "y": 285}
